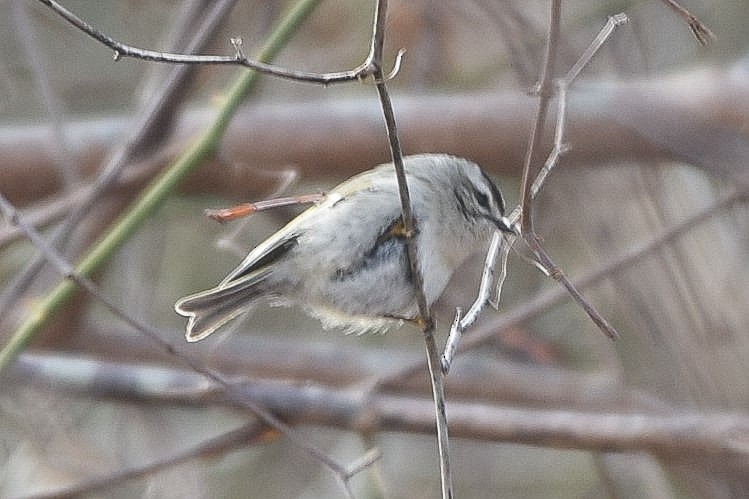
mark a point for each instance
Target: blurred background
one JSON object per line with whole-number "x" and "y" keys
{"x": 647, "y": 208}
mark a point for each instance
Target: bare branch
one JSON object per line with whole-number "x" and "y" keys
{"x": 531, "y": 189}
{"x": 701, "y": 32}
{"x": 676, "y": 435}
{"x": 223, "y": 215}
{"x": 554, "y": 297}
{"x": 487, "y": 278}
{"x": 67, "y": 271}
{"x": 560, "y": 147}
{"x": 544, "y": 91}
{"x": 601, "y": 38}
{"x": 425, "y": 314}
{"x": 122, "y": 50}
{"x": 499, "y": 242}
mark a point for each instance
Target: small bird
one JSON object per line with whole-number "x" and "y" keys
{"x": 345, "y": 259}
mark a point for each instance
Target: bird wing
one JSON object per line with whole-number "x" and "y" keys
{"x": 280, "y": 243}
{"x": 264, "y": 254}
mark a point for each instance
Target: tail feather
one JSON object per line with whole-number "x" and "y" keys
{"x": 209, "y": 310}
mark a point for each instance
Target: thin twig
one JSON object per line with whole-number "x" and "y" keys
{"x": 560, "y": 147}
{"x": 526, "y": 218}
{"x": 701, "y": 32}
{"x": 544, "y": 90}
{"x": 223, "y": 215}
{"x": 122, "y": 50}
{"x": 601, "y": 38}
{"x": 409, "y": 222}
{"x": 531, "y": 239}
{"x": 232, "y": 392}
{"x": 463, "y": 322}
{"x": 556, "y": 296}
{"x": 460, "y": 324}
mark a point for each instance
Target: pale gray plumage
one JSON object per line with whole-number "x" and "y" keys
{"x": 345, "y": 261}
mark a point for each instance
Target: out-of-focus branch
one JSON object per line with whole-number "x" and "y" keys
{"x": 691, "y": 116}
{"x": 252, "y": 433}
{"x": 158, "y": 189}
{"x": 676, "y": 435}
{"x": 340, "y": 364}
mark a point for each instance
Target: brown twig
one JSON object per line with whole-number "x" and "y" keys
{"x": 411, "y": 228}
{"x": 678, "y": 435}
{"x": 122, "y": 50}
{"x": 544, "y": 90}
{"x": 701, "y": 32}
{"x": 531, "y": 171}
{"x": 223, "y": 215}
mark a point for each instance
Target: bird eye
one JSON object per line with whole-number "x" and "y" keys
{"x": 482, "y": 199}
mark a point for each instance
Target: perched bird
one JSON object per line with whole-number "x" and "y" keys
{"x": 345, "y": 259}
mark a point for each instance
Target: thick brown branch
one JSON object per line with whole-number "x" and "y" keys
{"x": 606, "y": 122}
{"x": 675, "y": 435}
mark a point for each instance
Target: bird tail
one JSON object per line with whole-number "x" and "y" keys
{"x": 209, "y": 310}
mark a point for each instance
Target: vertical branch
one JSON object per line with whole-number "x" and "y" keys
{"x": 545, "y": 92}
{"x": 461, "y": 323}
{"x": 409, "y": 223}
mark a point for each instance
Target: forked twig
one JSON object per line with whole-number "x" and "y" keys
{"x": 122, "y": 50}
{"x": 503, "y": 242}
{"x": 531, "y": 239}
{"x": 701, "y": 32}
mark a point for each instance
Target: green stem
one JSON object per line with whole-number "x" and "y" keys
{"x": 158, "y": 190}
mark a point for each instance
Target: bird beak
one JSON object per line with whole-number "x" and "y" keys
{"x": 504, "y": 225}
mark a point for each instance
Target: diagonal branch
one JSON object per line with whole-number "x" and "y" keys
{"x": 523, "y": 213}
{"x": 700, "y": 31}
{"x": 150, "y": 122}
{"x": 159, "y": 189}
{"x": 231, "y": 392}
